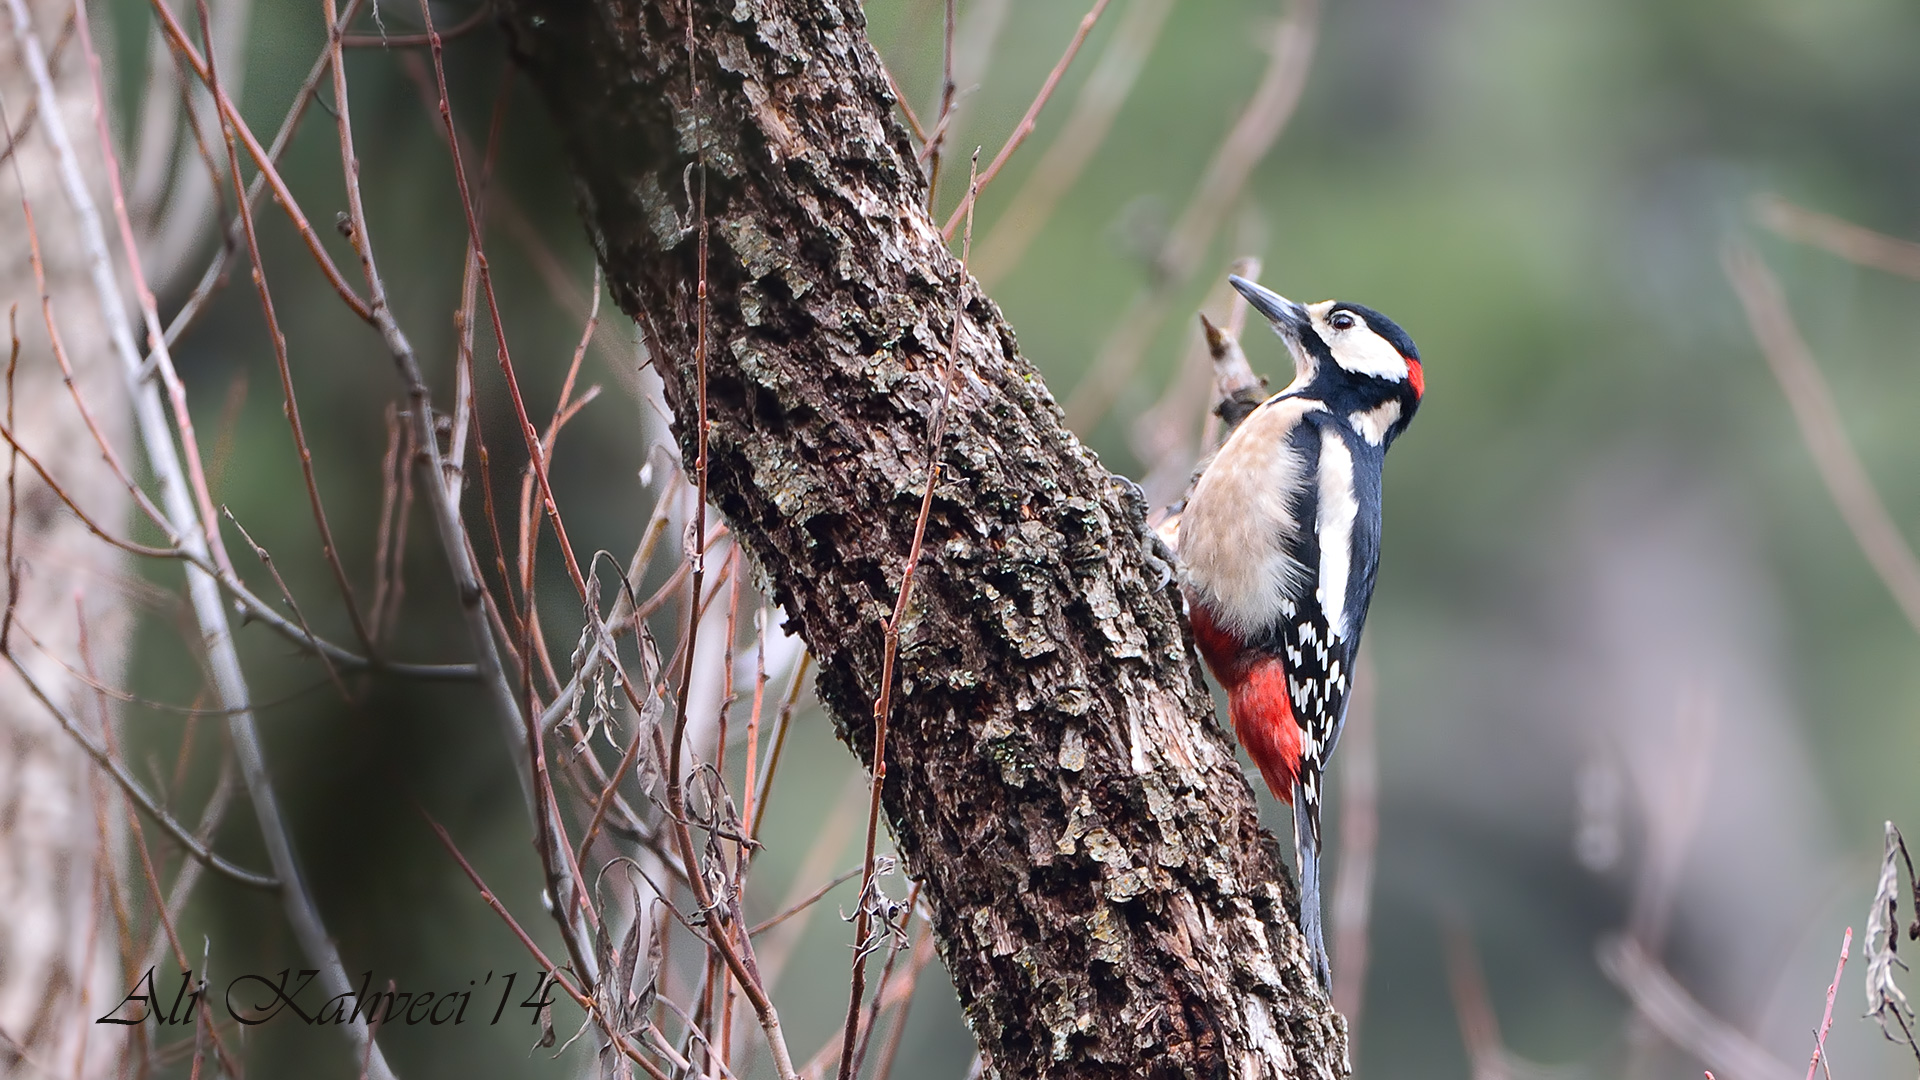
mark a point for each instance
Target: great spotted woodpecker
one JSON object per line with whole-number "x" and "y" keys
{"x": 1279, "y": 543}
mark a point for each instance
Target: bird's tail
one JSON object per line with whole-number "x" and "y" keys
{"x": 1306, "y": 849}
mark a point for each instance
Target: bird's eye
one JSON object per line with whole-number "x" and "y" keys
{"x": 1341, "y": 320}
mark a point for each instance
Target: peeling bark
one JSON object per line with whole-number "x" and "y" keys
{"x": 1103, "y": 894}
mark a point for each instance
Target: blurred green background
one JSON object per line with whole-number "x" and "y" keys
{"x": 1617, "y": 610}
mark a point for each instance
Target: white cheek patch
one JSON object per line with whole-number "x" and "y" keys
{"x": 1238, "y": 521}
{"x": 1338, "y": 508}
{"x": 1364, "y": 352}
{"x": 1372, "y": 424}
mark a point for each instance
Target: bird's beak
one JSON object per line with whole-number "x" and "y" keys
{"x": 1286, "y": 315}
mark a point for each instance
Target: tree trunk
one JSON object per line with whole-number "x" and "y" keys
{"x": 1102, "y": 893}
{"x": 60, "y": 820}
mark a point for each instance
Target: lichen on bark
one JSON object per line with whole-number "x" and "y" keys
{"x": 1102, "y": 892}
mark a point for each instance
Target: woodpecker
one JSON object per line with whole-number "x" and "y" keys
{"x": 1279, "y": 543}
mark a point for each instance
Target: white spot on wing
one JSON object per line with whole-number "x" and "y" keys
{"x": 1338, "y": 508}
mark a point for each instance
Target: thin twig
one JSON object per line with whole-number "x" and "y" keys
{"x": 1025, "y": 127}
{"x": 1821, "y": 427}
{"x": 585, "y": 1001}
{"x": 290, "y": 401}
{"x": 1081, "y": 135}
{"x": 536, "y": 453}
{"x": 215, "y": 273}
{"x": 829, "y": 841}
{"x": 134, "y": 791}
{"x": 197, "y": 185}
{"x": 68, "y": 501}
{"x": 931, "y": 145}
{"x": 1851, "y": 242}
{"x": 762, "y": 621}
{"x": 480, "y": 17}
{"x": 782, "y": 723}
{"x": 1683, "y": 1020}
{"x": 159, "y": 127}
{"x": 395, "y": 465}
{"x": 253, "y": 608}
{"x": 1242, "y": 148}
{"x": 734, "y": 957}
{"x": 922, "y": 956}
{"x": 13, "y": 468}
{"x": 883, "y": 702}
{"x": 811, "y": 899}
{"x": 191, "y": 712}
{"x": 265, "y": 162}
{"x": 895, "y": 942}
{"x": 463, "y": 412}
{"x": 1826, "y": 1019}
{"x": 286, "y": 595}
{"x": 176, "y": 490}
{"x": 906, "y": 109}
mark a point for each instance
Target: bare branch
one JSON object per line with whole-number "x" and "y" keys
{"x": 284, "y": 367}
{"x": 147, "y": 803}
{"x": 964, "y": 212}
{"x": 1675, "y": 1013}
{"x": 264, "y": 161}
{"x": 585, "y": 1001}
{"x": 1081, "y": 135}
{"x": 177, "y": 490}
{"x": 1843, "y": 238}
{"x": 1240, "y": 150}
{"x": 482, "y": 14}
{"x": 1822, "y": 429}
{"x": 1826, "y": 1020}
{"x": 216, "y": 269}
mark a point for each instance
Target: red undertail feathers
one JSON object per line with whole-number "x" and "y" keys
{"x": 1256, "y": 687}
{"x": 1263, "y": 722}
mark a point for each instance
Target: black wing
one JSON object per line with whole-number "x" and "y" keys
{"x": 1318, "y": 654}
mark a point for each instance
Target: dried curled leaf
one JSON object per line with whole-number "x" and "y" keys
{"x": 1886, "y": 1003}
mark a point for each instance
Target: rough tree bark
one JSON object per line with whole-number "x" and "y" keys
{"x": 1102, "y": 892}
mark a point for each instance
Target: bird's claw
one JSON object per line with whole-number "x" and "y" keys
{"x": 1159, "y": 557}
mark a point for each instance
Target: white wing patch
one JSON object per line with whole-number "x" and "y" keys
{"x": 1338, "y": 509}
{"x": 1233, "y": 536}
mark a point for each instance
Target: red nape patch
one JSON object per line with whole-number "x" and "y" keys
{"x": 1418, "y": 377}
{"x": 1263, "y": 721}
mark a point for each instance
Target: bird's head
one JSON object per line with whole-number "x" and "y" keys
{"x": 1347, "y": 354}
